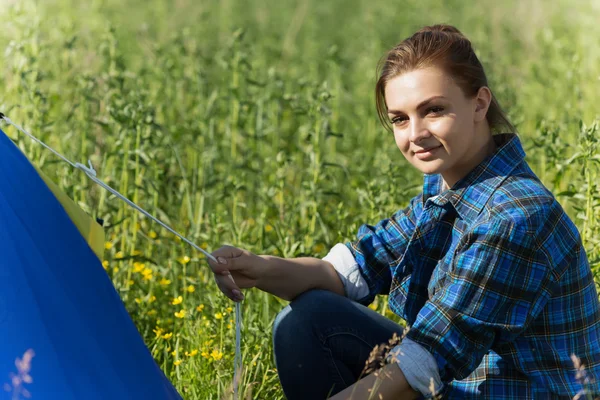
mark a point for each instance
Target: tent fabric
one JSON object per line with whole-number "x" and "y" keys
{"x": 56, "y": 299}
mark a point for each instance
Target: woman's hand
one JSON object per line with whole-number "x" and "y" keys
{"x": 236, "y": 269}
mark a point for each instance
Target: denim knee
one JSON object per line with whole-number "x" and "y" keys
{"x": 300, "y": 314}
{"x": 323, "y": 299}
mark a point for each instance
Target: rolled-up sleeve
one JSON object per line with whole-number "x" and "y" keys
{"x": 418, "y": 366}
{"x": 347, "y": 269}
{"x": 365, "y": 269}
{"x": 499, "y": 282}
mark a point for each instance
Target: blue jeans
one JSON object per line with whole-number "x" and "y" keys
{"x": 322, "y": 341}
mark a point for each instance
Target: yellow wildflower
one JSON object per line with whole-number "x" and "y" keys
{"x": 268, "y": 228}
{"x": 108, "y": 245}
{"x": 218, "y": 315}
{"x": 148, "y": 277}
{"x": 200, "y": 308}
{"x": 130, "y": 282}
{"x": 184, "y": 260}
{"x": 152, "y": 235}
{"x": 105, "y": 264}
{"x": 191, "y": 353}
{"x": 158, "y": 331}
{"x": 174, "y": 353}
{"x": 119, "y": 254}
{"x": 204, "y": 245}
{"x": 115, "y": 269}
{"x": 152, "y": 299}
{"x": 136, "y": 253}
{"x": 229, "y": 309}
{"x": 138, "y": 300}
{"x": 151, "y": 312}
{"x": 205, "y": 354}
{"x": 180, "y": 314}
{"x": 164, "y": 282}
{"x": 191, "y": 289}
{"x": 216, "y": 355}
{"x": 138, "y": 266}
{"x": 177, "y": 362}
{"x": 177, "y": 300}
{"x": 167, "y": 336}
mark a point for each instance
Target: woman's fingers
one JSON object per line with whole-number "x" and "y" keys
{"x": 227, "y": 252}
{"x": 224, "y": 265}
{"x": 226, "y": 260}
{"x": 227, "y": 285}
{"x": 227, "y": 257}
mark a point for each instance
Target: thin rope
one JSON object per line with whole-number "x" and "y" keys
{"x": 91, "y": 173}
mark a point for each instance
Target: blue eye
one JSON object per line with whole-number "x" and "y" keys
{"x": 397, "y": 120}
{"x": 436, "y": 109}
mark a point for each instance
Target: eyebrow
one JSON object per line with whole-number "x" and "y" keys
{"x": 421, "y": 104}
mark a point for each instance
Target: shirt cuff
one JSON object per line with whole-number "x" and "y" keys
{"x": 348, "y": 270}
{"x": 418, "y": 366}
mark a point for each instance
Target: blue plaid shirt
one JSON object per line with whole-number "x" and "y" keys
{"x": 493, "y": 280}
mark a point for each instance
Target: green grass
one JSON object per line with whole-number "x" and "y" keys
{"x": 252, "y": 123}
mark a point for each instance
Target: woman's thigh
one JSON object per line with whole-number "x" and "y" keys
{"x": 325, "y": 339}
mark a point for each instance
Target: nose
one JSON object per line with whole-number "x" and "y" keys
{"x": 418, "y": 130}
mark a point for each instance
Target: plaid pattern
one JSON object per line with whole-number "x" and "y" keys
{"x": 493, "y": 280}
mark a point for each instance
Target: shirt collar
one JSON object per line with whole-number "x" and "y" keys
{"x": 470, "y": 194}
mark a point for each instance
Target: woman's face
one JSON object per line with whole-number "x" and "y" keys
{"x": 436, "y": 127}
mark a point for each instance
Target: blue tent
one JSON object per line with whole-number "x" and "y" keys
{"x": 57, "y": 300}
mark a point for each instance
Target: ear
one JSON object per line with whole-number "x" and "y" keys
{"x": 482, "y": 103}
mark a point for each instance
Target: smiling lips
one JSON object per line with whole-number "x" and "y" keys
{"x": 427, "y": 150}
{"x": 426, "y": 153}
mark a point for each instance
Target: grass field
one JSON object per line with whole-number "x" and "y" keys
{"x": 252, "y": 123}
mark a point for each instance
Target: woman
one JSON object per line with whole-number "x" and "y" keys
{"x": 484, "y": 265}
